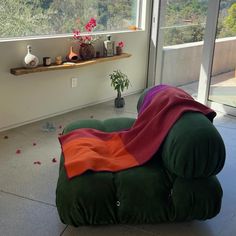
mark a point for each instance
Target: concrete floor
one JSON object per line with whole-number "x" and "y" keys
{"x": 27, "y": 190}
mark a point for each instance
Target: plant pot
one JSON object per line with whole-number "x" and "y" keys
{"x": 86, "y": 51}
{"x": 119, "y": 102}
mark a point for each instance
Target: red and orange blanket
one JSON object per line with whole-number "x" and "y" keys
{"x": 90, "y": 149}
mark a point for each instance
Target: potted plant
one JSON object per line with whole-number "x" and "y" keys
{"x": 119, "y": 81}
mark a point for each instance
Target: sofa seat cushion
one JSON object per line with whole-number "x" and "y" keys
{"x": 146, "y": 194}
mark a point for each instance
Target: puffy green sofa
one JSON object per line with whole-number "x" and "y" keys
{"x": 178, "y": 184}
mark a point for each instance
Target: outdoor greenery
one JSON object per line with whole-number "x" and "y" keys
{"x": 227, "y": 24}
{"x": 43, "y": 17}
{"x": 184, "y": 19}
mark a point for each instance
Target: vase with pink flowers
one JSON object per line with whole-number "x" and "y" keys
{"x": 86, "y": 50}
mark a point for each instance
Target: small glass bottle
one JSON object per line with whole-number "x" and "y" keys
{"x": 30, "y": 60}
{"x": 109, "y": 47}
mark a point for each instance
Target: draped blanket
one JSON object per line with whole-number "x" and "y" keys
{"x": 91, "y": 149}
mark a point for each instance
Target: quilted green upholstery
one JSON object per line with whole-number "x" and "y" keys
{"x": 193, "y": 147}
{"x": 177, "y": 184}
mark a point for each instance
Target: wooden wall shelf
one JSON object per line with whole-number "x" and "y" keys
{"x": 41, "y": 68}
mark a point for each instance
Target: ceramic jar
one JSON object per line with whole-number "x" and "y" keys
{"x": 58, "y": 60}
{"x": 72, "y": 56}
{"x": 30, "y": 60}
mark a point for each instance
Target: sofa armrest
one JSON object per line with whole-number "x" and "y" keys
{"x": 193, "y": 147}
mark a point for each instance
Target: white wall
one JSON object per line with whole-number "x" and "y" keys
{"x": 30, "y": 97}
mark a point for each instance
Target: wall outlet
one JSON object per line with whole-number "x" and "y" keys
{"x": 74, "y": 82}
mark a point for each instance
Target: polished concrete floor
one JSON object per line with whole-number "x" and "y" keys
{"x": 29, "y": 162}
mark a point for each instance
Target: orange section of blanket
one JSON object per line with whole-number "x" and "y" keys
{"x": 91, "y": 153}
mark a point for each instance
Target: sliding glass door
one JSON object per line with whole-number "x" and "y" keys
{"x": 193, "y": 46}
{"x": 223, "y": 74}
{"x": 217, "y": 86}
{"x": 178, "y": 30}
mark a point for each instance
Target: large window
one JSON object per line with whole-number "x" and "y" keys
{"x": 185, "y": 21}
{"x": 226, "y": 26}
{"x": 20, "y": 18}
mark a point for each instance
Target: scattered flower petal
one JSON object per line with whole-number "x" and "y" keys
{"x": 18, "y": 151}
{"x": 37, "y": 163}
